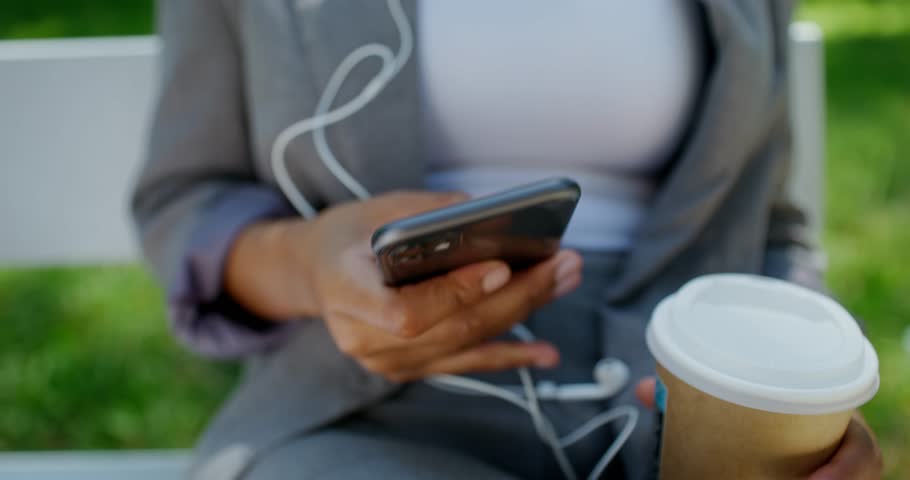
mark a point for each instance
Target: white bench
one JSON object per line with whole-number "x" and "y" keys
{"x": 118, "y": 465}
{"x": 73, "y": 116}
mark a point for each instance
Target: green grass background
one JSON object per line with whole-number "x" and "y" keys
{"x": 86, "y": 360}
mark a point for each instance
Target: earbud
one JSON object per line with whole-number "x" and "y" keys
{"x": 611, "y": 375}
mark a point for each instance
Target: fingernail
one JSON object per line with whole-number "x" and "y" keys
{"x": 567, "y": 266}
{"x": 495, "y": 279}
{"x": 545, "y": 356}
{"x": 566, "y": 284}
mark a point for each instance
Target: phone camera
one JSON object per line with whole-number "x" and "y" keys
{"x": 407, "y": 254}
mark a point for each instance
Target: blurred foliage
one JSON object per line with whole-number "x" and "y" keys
{"x": 868, "y": 203}
{"x": 74, "y": 18}
{"x": 86, "y": 360}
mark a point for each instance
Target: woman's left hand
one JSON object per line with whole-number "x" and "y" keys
{"x": 858, "y": 457}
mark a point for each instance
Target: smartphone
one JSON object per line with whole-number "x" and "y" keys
{"x": 521, "y": 226}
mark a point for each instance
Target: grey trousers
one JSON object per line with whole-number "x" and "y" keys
{"x": 422, "y": 432}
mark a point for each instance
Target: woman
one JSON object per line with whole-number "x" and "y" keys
{"x": 671, "y": 114}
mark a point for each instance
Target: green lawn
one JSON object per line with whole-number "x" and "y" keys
{"x": 86, "y": 361}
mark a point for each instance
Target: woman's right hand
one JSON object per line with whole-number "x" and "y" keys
{"x": 293, "y": 269}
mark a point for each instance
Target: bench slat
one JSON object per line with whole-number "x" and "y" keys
{"x": 114, "y": 465}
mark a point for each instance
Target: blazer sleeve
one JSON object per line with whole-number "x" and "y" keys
{"x": 793, "y": 250}
{"x": 198, "y": 188}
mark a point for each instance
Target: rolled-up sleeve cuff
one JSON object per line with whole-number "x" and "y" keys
{"x": 203, "y": 316}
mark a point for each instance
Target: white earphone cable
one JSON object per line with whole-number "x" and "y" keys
{"x": 325, "y": 116}
{"x": 545, "y": 430}
{"x": 543, "y": 425}
{"x": 390, "y": 68}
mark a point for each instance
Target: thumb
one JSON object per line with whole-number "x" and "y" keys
{"x": 646, "y": 391}
{"x": 432, "y": 300}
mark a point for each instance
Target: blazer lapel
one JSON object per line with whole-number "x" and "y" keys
{"x": 738, "y": 89}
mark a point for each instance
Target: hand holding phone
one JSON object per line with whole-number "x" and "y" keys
{"x": 324, "y": 270}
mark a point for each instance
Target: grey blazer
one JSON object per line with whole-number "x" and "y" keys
{"x": 235, "y": 73}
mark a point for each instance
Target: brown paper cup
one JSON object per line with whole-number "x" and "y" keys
{"x": 760, "y": 378}
{"x": 705, "y": 437}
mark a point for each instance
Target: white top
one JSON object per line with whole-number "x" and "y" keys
{"x": 764, "y": 344}
{"x": 515, "y": 90}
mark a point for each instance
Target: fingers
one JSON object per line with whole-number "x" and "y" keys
{"x": 389, "y": 335}
{"x": 482, "y": 295}
{"x": 371, "y": 321}
{"x": 421, "y": 306}
{"x": 409, "y": 311}
{"x": 496, "y": 314}
{"x": 488, "y": 357}
{"x": 858, "y": 457}
{"x": 449, "y": 317}
{"x": 645, "y": 391}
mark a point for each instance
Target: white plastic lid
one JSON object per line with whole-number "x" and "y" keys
{"x": 764, "y": 344}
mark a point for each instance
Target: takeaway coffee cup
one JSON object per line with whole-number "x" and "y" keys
{"x": 758, "y": 378}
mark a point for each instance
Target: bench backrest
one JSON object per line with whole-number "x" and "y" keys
{"x": 73, "y": 115}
